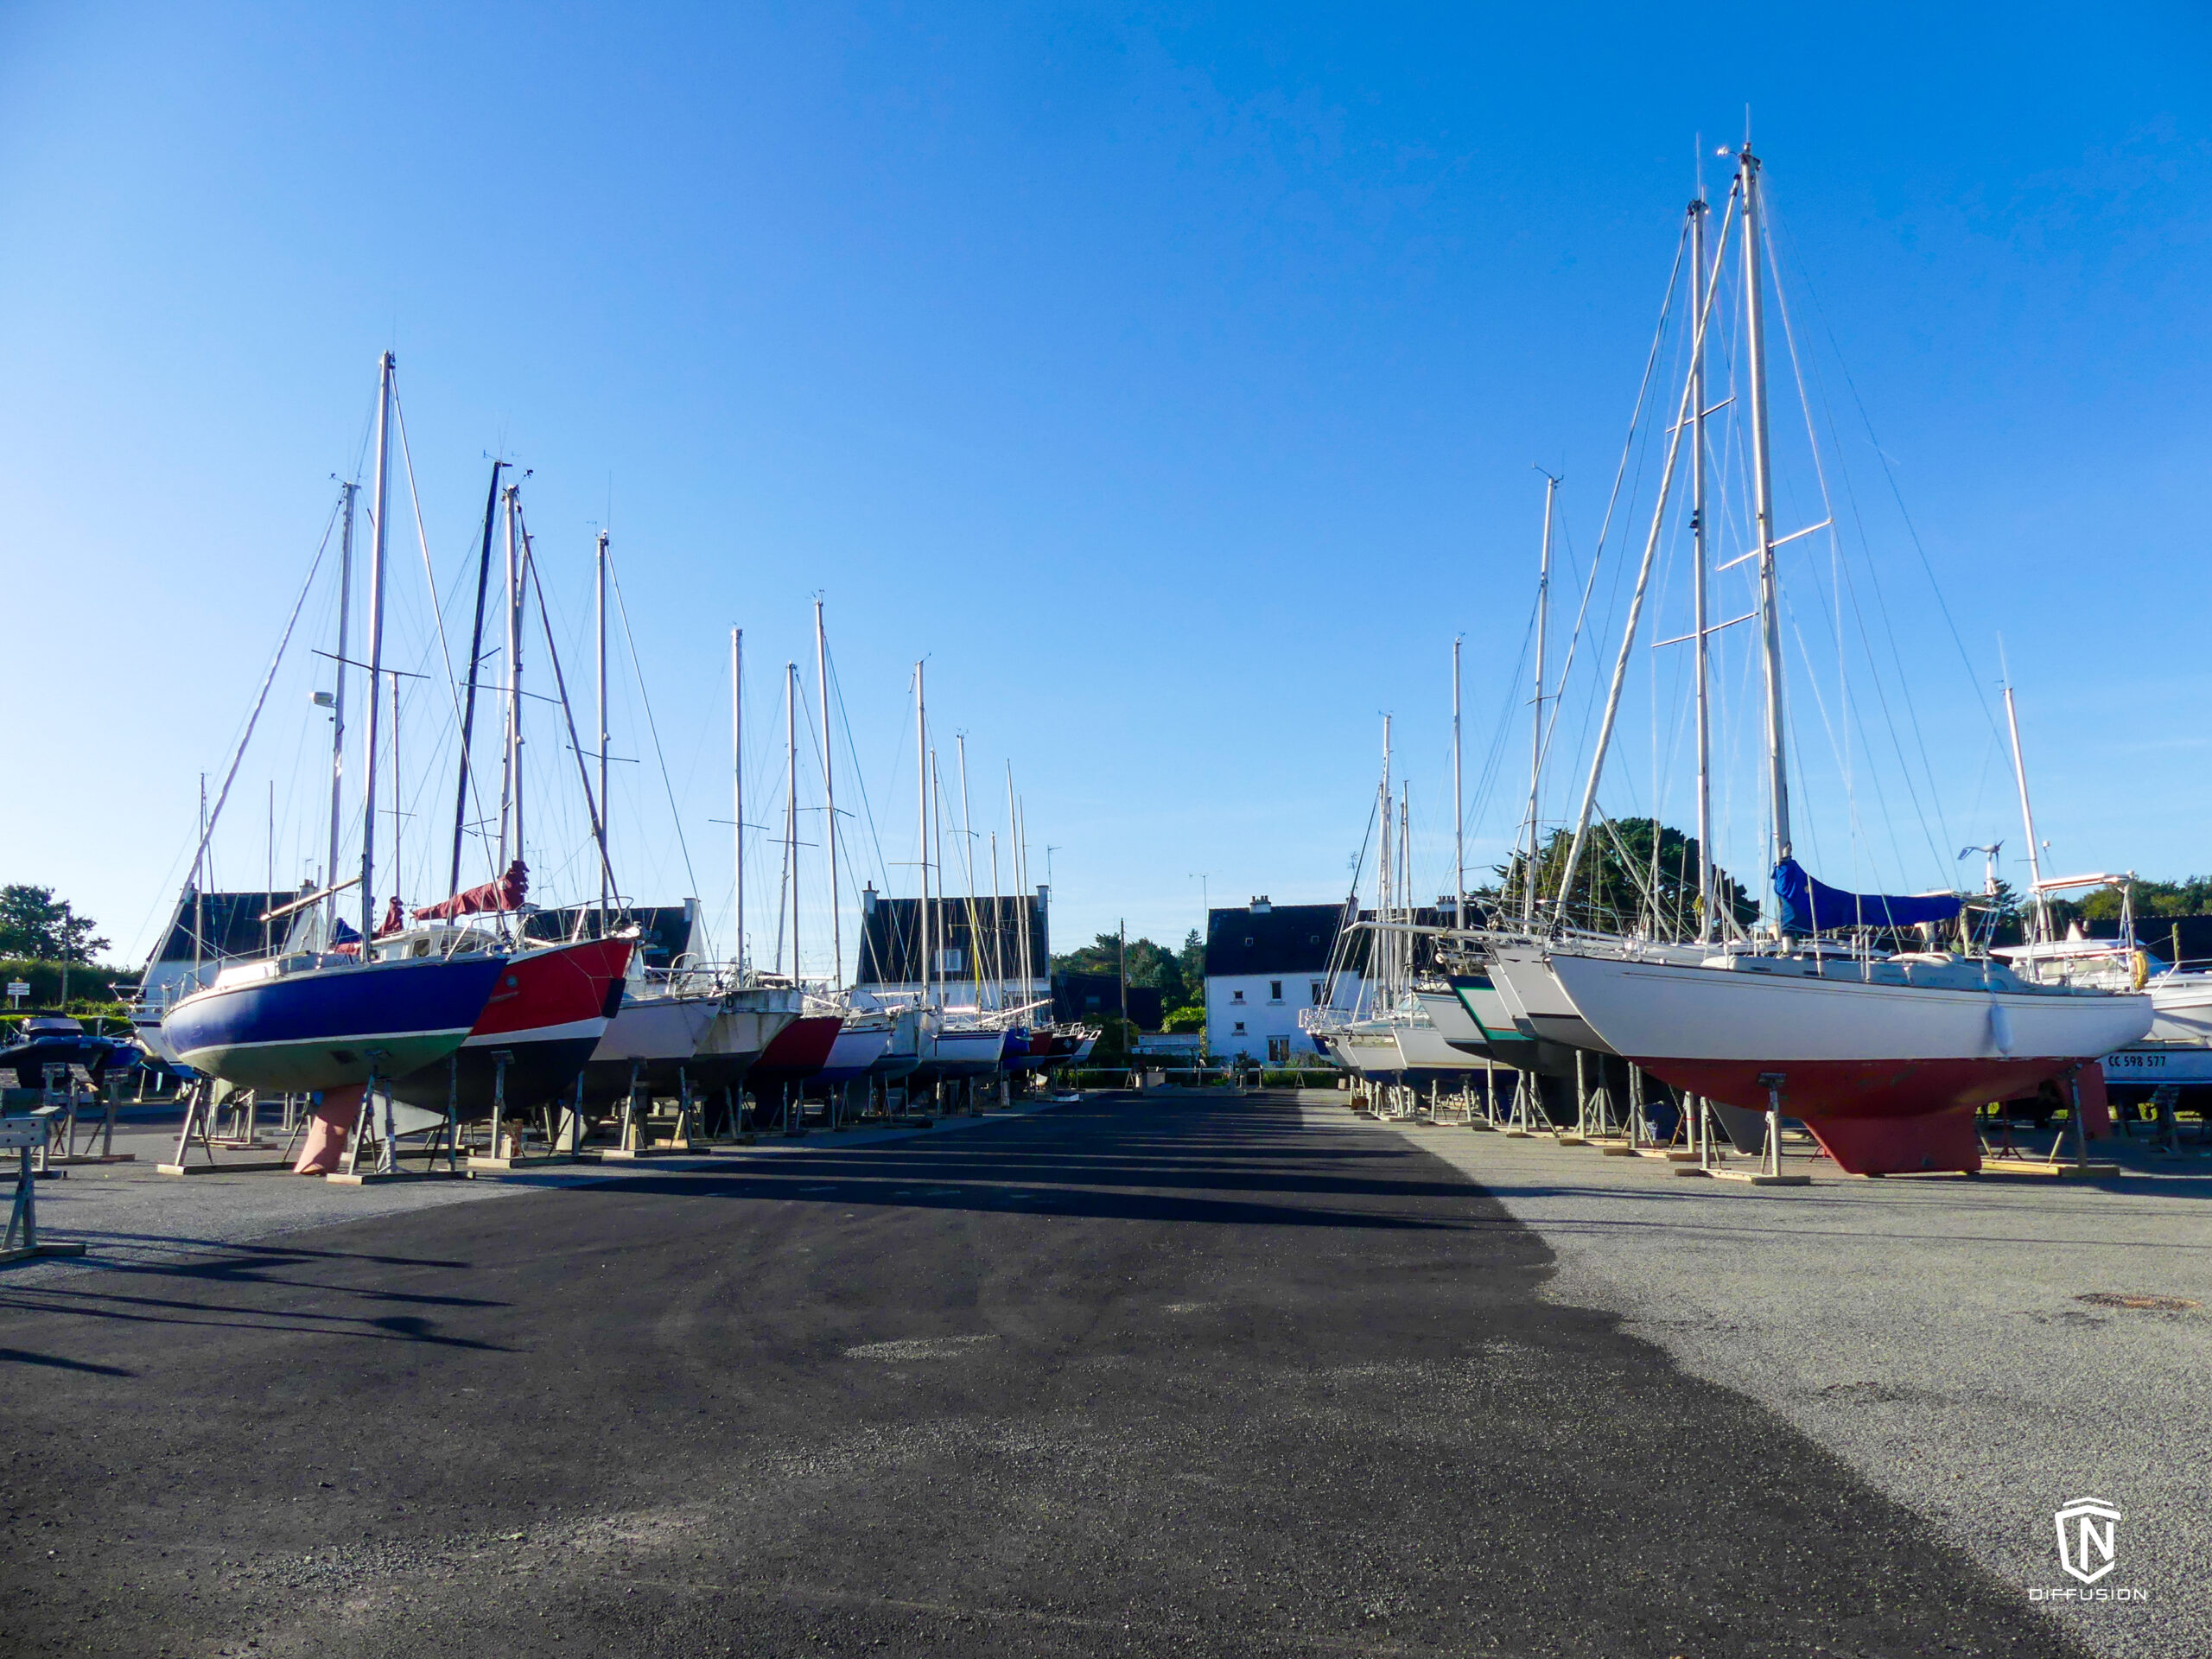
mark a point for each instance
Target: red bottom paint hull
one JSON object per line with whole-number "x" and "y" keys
{"x": 1874, "y": 1117}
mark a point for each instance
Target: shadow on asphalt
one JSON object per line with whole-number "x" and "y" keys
{"x": 94, "y": 1297}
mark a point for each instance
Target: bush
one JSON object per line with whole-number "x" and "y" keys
{"x": 89, "y": 981}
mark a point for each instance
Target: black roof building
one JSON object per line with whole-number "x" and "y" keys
{"x": 975, "y": 940}
{"x": 229, "y": 925}
{"x": 1268, "y": 939}
{"x": 665, "y": 931}
{"x": 1078, "y": 997}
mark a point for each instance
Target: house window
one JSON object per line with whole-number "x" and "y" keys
{"x": 1237, "y": 996}
{"x": 1240, "y": 1027}
{"x": 1248, "y": 943}
{"x": 1278, "y": 1051}
{"x": 1317, "y": 992}
{"x": 950, "y": 959}
{"x": 1274, "y": 990}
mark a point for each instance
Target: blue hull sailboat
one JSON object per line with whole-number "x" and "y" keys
{"x": 307, "y": 1022}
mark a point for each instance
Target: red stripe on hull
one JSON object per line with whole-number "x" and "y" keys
{"x": 554, "y": 988}
{"x": 798, "y": 1051}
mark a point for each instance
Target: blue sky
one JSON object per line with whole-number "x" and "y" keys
{"x": 1171, "y": 378}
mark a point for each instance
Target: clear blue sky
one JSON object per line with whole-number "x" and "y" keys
{"x": 1171, "y": 377}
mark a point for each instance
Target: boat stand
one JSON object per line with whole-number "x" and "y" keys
{"x": 387, "y": 1168}
{"x": 2080, "y": 1166}
{"x": 506, "y": 1148}
{"x": 1768, "y": 1173}
{"x": 26, "y": 1136}
{"x": 637, "y": 1113}
{"x": 201, "y": 1109}
{"x": 67, "y": 1089}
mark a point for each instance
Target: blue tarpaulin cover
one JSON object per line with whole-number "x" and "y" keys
{"x": 1810, "y": 907}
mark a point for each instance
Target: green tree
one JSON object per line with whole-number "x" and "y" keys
{"x": 1149, "y": 964}
{"x": 1624, "y": 883}
{"x": 1191, "y": 1017}
{"x": 33, "y": 923}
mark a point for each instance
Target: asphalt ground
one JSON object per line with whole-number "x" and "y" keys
{"x": 1957, "y": 1342}
{"x": 1131, "y": 1377}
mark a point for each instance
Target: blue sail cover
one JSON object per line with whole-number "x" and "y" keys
{"x": 1810, "y": 907}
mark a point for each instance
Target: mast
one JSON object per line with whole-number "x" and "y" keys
{"x": 968, "y": 858}
{"x": 338, "y": 715}
{"x": 921, "y": 824}
{"x": 1458, "y": 806}
{"x": 509, "y": 734}
{"x": 998, "y": 956}
{"x": 2028, "y": 823}
{"x": 376, "y": 652}
{"x": 1762, "y": 482}
{"x": 605, "y": 883}
{"x": 1406, "y": 884}
{"x": 829, "y": 802}
{"x": 1385, "y": 883}
{"x": 396, "y": 801}
{"x": 790, "y": 805}
{"x": 1701, "y": 644}
{"x": 737, "y": 781}
{"x": 1018, "y": 831}
{"x": 199, "y": 889}
{"x": 1020, "y": 962}
{"x": 475, "y": 657}
{"x": 1536, "y": 737}
{"x": 1628, "y": 635}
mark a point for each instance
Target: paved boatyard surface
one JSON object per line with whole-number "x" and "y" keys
{"x": 1929, "y": 1332}
{"x": 1133, "y": 1376}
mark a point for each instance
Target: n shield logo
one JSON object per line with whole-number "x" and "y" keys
{"x": 2086, "y": 1529}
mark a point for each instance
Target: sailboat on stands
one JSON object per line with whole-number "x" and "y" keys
{"x": 684, "y": 1027}
{"x": 347, "y": 1012}
{"x": 804, "y": 1048}
{"x": 555, "y": 999}
{"x": 1884, "y": 1057}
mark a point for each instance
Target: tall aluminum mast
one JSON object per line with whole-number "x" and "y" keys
{"x": 1701, "y": 645}
{"x": 1406, "y": 886}
{"x": 376, "y": 652}
{"x": 1762, "y": 483}
{"x": 510, "y": 769}
{"x": 605, "y": 877}
{"x": 475, "y": 660}
{"x": 829, "y": 803}
{"x": 1385, "y": 879}
{"x": 968, "y": 858}
{"x": 1458, "y": 806}
{"x": 1536, "y": 737}
{"x": 1018, "y": 829}
{"x": 790, "y": 803}
{"x": 1605, "y": 725}
{"x": 922, "y": 929}
{"x": 337, "y": 720}
{"x": 737, "y": 780}
{"x": 2028, "y": 823}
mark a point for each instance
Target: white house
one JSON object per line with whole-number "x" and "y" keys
{"x": 1264, "y": 963}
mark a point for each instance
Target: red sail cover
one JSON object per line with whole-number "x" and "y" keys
{"x": 506, "y": 893}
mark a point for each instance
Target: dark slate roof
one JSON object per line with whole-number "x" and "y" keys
{"x": 232, "y": 925}
{"x": 1283, "y": 939}
{"x": 665, "y": 930}
{"x": 1078, "y": 997}
{"x": 890, "y": 947}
